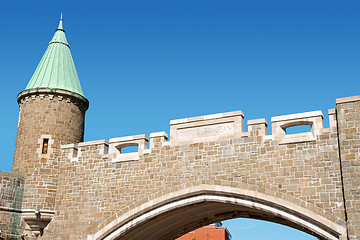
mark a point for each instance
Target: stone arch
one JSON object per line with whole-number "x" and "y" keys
{"x": 177, "y": 213}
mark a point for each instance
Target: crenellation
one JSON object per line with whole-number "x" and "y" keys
{"x": 255, "y": 126}
{"x": 95, "y": 142}
{"x": 71, "y": 150}
{"x": 258, "y": 127}
{"x": 280, "y": 123}
{"x": 332, "y": 119}
{"x": 116, "y": 144}
{"x": 158, "y": 139}
{"x": 43, "y": 94}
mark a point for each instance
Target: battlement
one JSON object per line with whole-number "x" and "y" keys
{"x": 207, "y": 128}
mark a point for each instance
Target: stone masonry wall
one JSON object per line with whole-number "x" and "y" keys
{"x": 11, "y": 196}
{"x": 59, "y": 119}
{"x": 348, "y": 116}
{"x": 96, "y": 187}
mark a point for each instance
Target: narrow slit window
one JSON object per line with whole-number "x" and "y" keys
{"x": 75, "y": 153}
{"x": 45, "y": 146}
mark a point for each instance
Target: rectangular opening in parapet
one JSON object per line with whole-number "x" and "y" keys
{"x": 129, "y": 149}
{"x": 298, "y": 129}
{"x": 75, "y": 153}
{"x": 45, "y": 146}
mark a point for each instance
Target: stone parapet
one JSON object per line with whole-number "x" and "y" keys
{"x": 209, "y": 128}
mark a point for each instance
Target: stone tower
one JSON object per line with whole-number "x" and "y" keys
{"x": 52, "y": 113}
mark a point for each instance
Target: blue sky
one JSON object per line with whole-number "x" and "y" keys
{"x": 144, "y": 63}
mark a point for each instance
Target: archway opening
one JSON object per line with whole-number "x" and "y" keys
{"x": 172, "y": 216}
{"x": 180, "y": 221}
{"x": 245, "y": 228}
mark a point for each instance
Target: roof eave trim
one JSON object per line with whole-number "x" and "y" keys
{"x": 57, "y": 91}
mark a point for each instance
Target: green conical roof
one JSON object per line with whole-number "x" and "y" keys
{"x": 56, "y": 69}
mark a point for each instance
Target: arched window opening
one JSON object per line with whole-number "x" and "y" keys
{"x": 298, "y": 129}
{"x": 128, "y": 148}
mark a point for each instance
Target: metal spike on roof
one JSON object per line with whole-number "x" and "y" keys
{"x": 56, "y": 69}
{"x": 60, "y": 23}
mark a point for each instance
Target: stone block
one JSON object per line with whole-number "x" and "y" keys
{"x": 206, "y": 128}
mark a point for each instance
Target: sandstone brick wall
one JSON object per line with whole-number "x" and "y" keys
{"x": 11, "y": 196}
{"x": 348, "y": 116}
{"x": 58, "y": 118}
{"x": 94, "y": 189}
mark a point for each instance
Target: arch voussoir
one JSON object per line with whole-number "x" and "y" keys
{"x": 230, "y": 202}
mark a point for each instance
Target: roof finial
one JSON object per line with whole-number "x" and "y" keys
{"x": 60, "y": 24}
